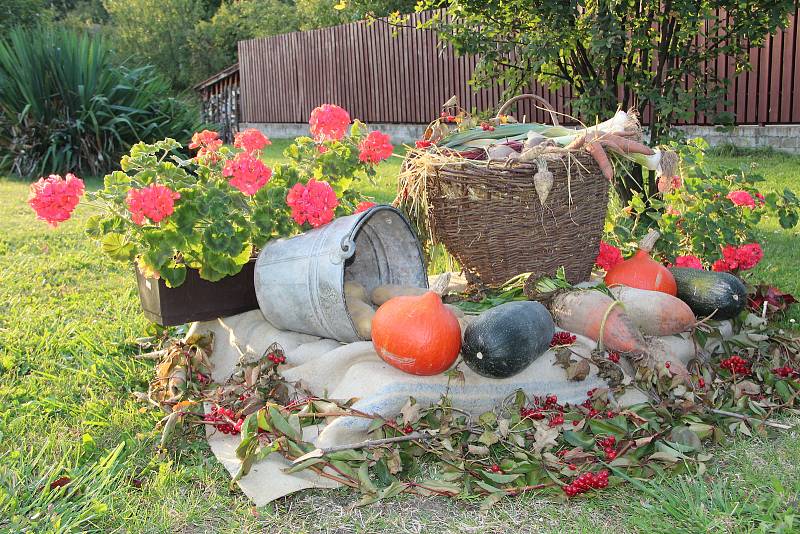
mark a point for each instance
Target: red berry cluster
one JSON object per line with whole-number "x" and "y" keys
{"x": 408, "y": 429}
{"x": 531, "y": 413}
{"x": 608, "y": 445}
{"x": 201, "y": 378}
{"x": 542, "y": 405}
{"x": 585, "y": 482}
{"x": 487, "y": 127}
{"x": 447, "y": 118}
{"x": 736, "y": 365}
{"x": 422, "y": 143}
{"x": 701, "y": 382}
{"x": 786, "y": 371}
{"x": 222, "y": 418}
{"x": 495, "y": 468}
{"x": 276, "y": 358}
{"x": 613, "y": 356}
{"x": 562, "y": 338}
{"x": 555, "y": 421}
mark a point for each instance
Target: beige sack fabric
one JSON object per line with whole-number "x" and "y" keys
{"x": 354, "y": 371}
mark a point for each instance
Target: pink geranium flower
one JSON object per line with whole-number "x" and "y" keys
{"x": 364, "y": 206}
{"x": 741, "y": 198}
{"x": 608, "y": 256}
{"x": 155, "y": 202}
{"x": 206, "y": 143}
{"x": 690, "y": 261}
{"x": 54, "y": 198}
{"x": 329, "y": 123}
{"x": 248, "y": 173}
{"x": 314, "y": 203}
{"x": 668, "y": 183}
{"x": 250, "y": 140}
{"x": 375, "y": 148}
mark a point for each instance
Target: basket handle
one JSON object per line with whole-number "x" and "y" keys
{"x": 538, "y": 98}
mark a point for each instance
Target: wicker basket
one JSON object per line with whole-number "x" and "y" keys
{"x": 490, "y": 218}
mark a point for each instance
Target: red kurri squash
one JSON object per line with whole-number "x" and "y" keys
{"x": 643, "y": 272}
{"x": 417, "y": 334}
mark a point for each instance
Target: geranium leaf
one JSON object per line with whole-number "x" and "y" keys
{"x": 118, "y": 247}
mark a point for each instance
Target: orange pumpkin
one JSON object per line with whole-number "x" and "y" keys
{"x": 643, "y": 272}
{"x": 417, "y": 334}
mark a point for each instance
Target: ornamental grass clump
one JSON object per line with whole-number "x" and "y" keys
{"x": 214, "y": 211}
{"x": 67, "y": 106}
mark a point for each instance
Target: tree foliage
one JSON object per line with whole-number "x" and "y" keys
{"x": 156, "y": 32}
{"x": 188, "y": 40}
{"x": 213, "y": 44}
{"x": 24, "y": 12}
{"x": 645, "y": 54}
{"x": 633, "y": 53}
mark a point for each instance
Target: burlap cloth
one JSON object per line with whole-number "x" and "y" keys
{"x": 333, "y": 370}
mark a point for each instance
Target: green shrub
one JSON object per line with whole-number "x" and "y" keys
{"x": 65, "y": 106}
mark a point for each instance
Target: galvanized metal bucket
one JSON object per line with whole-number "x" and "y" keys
{"x": 300, "y": 280}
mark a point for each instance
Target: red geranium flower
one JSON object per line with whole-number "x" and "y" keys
{"x": 608, "y": 257}
{"x": 748, "y": 256}
{"x": 250, "y": 140}
{"x": 155, "y": 202}
{"x": 741, "y": 198}
{"x": 329, "y": 122}
{"x": 375, "y": 148}
{"x": 54, "y": 198}
{"x": 744, "y": 257}
{"x": 249, "y": 174}
{"x": 313, "y": 203}
{"x": 720, "y": 266}
{"x": 364, "y": 206}
{"x": 690, "y": 261}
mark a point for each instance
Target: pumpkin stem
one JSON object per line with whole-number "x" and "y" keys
{"x": 648, "y": 242}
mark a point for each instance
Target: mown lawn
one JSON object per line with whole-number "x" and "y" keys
{"x": 68, "y": 321}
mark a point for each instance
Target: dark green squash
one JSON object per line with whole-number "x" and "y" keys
{"x": 504, "y": 340}
{"x": 706, "y": 291}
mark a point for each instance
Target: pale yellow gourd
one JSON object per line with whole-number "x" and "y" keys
{"x": 382, "y": 294}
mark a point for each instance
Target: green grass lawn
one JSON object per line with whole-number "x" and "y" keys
{"x": 68, "y": 321}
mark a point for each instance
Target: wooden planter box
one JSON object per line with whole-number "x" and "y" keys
{"x": 197, "y": 299}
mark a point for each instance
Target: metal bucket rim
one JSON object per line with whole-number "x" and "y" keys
{"x": 351, "y": 239}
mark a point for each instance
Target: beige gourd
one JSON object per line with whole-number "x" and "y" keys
{"x": 359, "y": 308}
{"x": 381, "y": 294}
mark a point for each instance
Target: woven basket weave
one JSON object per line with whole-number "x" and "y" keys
{"x": 490, "y": 218}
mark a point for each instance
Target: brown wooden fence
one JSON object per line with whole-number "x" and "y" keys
{"x": 380, "y": 78}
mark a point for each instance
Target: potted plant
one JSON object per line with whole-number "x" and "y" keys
{"x": 193, "y": 226}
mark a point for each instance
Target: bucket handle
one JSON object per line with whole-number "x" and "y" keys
{"x": 348, "y": 242}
